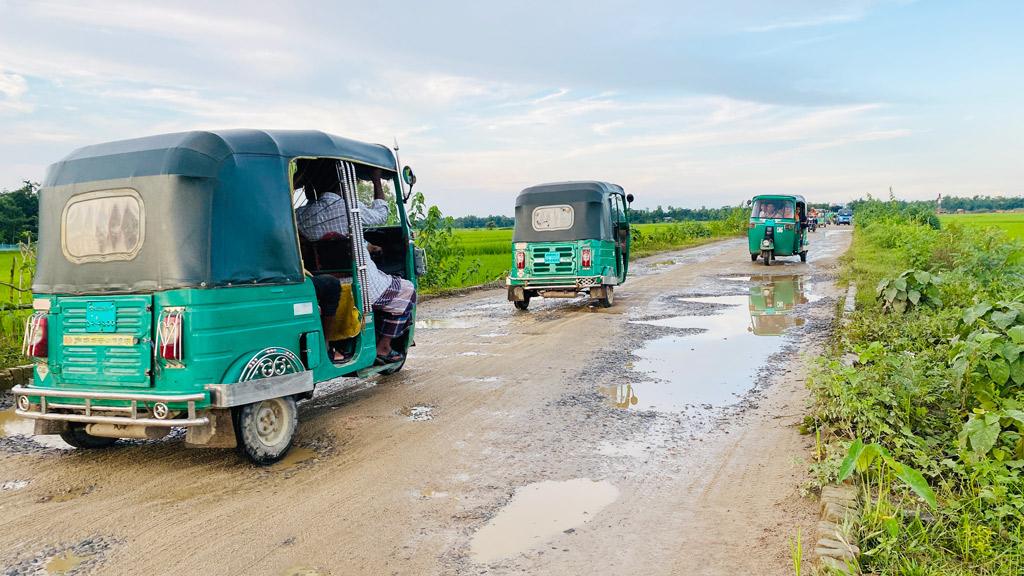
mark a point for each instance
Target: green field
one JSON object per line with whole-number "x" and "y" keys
{"x": 1012, "y": 222}
{"x": 491, "y": 250}
{"x": 12, "y": 321}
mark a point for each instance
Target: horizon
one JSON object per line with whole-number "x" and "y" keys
{"x": 682, "y": 104}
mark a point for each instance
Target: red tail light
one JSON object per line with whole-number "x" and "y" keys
{"x": 36, "y": 336}
{"x": 170, "y": 334}
{"x": 585, "y": 257}
{"x": 520, "y": 260}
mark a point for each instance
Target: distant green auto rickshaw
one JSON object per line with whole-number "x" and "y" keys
{"x": 778, "y": 227}
{"x": 570, "y": 237}
{"x": 174, "y": 288}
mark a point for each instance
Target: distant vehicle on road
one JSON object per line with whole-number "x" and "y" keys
{"x": 845, "y": 216}
{"x": 778, "y": 227}
{"x": 570, "y": 237}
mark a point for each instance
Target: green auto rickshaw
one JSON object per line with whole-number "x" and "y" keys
{"x": 778, "y": 227}
{"x": 570, "y": 237}
{"x": 175, "y": 287}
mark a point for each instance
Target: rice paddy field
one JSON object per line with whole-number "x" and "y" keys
{"x": 11, "y": 321}
{"x": 1012, "y": 222}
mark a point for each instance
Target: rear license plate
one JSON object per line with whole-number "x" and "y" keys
{"x": 552, "y": 257}
{"x": 99, "y": 340}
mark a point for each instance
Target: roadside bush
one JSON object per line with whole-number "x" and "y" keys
{"x": 938, "y": 387}
{"x": 445, "y": 254}
{"x": 909, "y": 289}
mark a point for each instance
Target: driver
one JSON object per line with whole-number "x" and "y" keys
{"x": 393, "y": 298}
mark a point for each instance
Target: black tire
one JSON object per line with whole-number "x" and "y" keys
{"x": 803, "y": 256}
{"x": 753, "y": 257}
{"x": 264, "y": 430}
{"x": 609, "y": 297}
{"x": 79, "y": 438}
{"x": 766, "y": 256}
{"x": 522, "y": 304}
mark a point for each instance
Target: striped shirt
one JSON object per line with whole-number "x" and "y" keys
{"x": 327, "y": 214}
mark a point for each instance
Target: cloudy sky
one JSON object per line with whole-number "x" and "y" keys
{"x": 683, "y": 102}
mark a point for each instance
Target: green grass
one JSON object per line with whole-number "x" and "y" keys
{"x": 1011, "y": 222}
{"x": 12, "y": 321}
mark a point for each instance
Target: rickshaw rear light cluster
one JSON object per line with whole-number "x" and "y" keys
{"x": 36, "y": 336}
{"x": 520, "y": 260}
{"x": 586, "y": 257}
{"x": 170, "y": 334}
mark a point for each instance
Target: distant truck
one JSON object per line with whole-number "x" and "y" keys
{"x": 845, "y": 217}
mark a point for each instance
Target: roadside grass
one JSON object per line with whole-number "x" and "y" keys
{"x": 930, "y": 377}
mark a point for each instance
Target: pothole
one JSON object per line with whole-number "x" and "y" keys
{"x": 537, "y": 513}
{"x": 417, "y": 413}
{"x": 721, "y": 355}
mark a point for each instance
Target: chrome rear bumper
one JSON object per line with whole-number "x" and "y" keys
{"x": 141, "y": 410}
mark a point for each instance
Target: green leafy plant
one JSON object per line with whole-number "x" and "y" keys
{"x": 861, "y": 456}
{"x": 909, "y": 289}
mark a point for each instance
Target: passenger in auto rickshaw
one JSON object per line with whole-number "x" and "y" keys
{"x": 324, "y": 217}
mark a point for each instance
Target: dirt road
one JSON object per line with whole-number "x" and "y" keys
{"x": 655, "y": 437}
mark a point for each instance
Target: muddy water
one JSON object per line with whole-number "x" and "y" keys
{"x": 538, "y": 512}
{"x": 717, "y": 365}
{"x": 12, "y": 425}
{"x": 64, "y": 563}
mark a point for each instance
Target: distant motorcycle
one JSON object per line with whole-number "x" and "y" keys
{"x": 812, "y": 224}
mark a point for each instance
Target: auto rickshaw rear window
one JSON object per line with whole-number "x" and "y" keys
{"x": 558, "y": 217}
{"x": 103, "y": 226}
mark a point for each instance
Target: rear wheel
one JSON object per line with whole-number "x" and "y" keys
{"x": 753, "y": 257}
{"x": 609, "y": 297}
{"x": 265, "y": 430}
{"x": 803, "y": 256}
{"x": 79, "y": 438}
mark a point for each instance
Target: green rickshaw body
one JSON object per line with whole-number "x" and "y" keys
{"x": 776, "y": 227}
{"x": 170, "y": 285}
{"x": 569, "y": 237}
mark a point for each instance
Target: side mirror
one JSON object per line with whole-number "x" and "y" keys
{"x": 629, "y": 198}
{"x": 749, "y": 202}
{"x": 410, "y": 179}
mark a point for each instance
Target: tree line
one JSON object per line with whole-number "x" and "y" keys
{"x": 19, "y": 213}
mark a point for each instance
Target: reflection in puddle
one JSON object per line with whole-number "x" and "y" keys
{"x": 718, "y": 364}
{"x": 64, "y": 563}
{"x": 538, "y": 512}
{"x": 621, "y": 396}
{"x": 13, "y": 425}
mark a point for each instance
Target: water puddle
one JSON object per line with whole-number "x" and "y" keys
{"x": 538, "y": 512}
{"x": 446, "y": 323}
{"x": 11, "y": 485}
{"x": 714, "y": 367}
{"x": 417, "y": 413}
{"x": 64, "y": 563}
{"x": 13, "y": 425}
{"x": 296, "y": 456}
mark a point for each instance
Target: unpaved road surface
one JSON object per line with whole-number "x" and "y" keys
{"x": 655, "y": 437}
